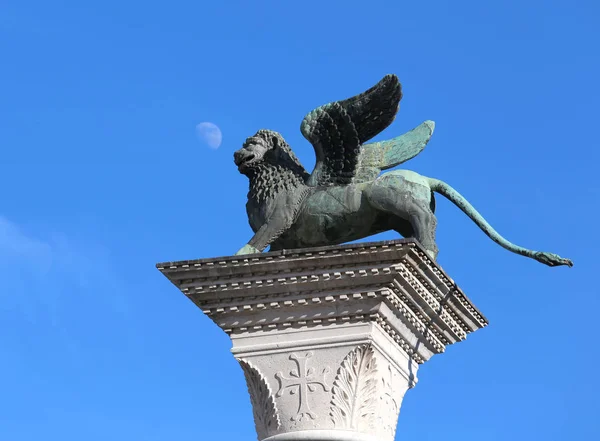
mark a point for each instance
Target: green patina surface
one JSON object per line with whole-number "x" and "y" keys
{"x": 347, "y": 197}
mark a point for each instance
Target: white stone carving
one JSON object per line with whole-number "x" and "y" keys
{"x": 266, "y": 418}
{"x": 354, "y": 393}
{"x": 391, "y": 399}
{"x": 330, "y": 339}
{"x": 301, "y": 382}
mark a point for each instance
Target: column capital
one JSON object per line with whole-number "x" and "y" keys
{"x": 330, "y": 338}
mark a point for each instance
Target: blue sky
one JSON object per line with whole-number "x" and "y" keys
{"x": 103, "y": 176}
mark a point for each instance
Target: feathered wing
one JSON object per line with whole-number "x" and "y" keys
{"x": 337, "y": 130}
{"x": 383, "y": 155}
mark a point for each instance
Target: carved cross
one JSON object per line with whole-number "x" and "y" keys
{"x": 303, "y": 380}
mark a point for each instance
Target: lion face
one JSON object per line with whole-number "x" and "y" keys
{"x": 262, "y": 147}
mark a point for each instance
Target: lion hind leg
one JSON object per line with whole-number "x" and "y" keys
{"x": 406, "y": 207}
{"x": 424, "y": 224}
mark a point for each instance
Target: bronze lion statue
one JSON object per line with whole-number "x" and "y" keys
{"x": 346, "y": 197}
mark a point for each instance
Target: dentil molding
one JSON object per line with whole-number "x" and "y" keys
{"x": 330, "y": 339}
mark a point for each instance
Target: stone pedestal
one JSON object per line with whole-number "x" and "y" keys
{"x": 330, "y": 339}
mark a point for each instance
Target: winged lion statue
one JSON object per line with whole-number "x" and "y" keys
{"x": 346, "y": 197}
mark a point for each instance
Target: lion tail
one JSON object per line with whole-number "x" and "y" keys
{"x": 457, "y": 199}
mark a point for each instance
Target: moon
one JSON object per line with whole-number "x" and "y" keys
{"x": 209, "y": 134}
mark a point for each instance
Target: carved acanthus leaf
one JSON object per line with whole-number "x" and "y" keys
{"x": 354, "y": 399}
{"x": 266, "y": 416}
{"x": 388, "y": 417}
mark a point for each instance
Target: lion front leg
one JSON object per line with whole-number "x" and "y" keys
{"x": 281, "y": 218}
{"x": 266, "y": 234}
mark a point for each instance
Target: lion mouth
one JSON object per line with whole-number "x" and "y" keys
{"x": 247, "y": 162}
{"x": 243, "y": 159}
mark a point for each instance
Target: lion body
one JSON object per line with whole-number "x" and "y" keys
{"x": 339, "y": 214}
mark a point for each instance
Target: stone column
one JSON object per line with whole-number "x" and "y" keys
{"x": 330, "y": 339}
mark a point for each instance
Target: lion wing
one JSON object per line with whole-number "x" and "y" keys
{"x": 382, "y": 155}
{"x": 338, "y": 130}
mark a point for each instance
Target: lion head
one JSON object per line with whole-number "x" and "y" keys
{"x": 266, "y": 148}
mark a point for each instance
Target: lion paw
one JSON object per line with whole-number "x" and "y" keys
{"x": 247, "y": 249}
